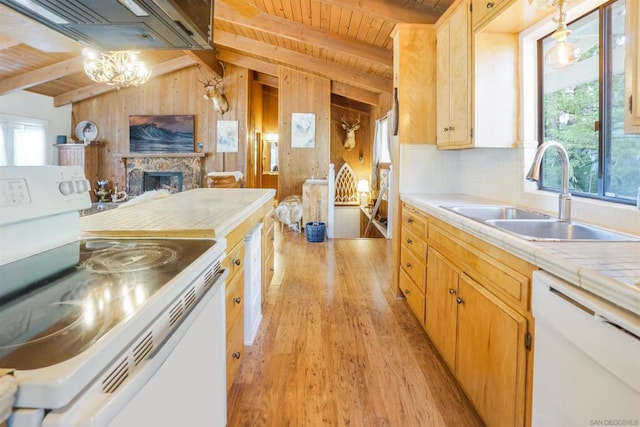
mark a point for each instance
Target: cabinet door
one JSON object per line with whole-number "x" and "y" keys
{"x": 632, "y": 67}
{"x": 440, "y": 316}
{"x": 459, "y": 71}
{"x": 443, "y": 116}
{"x": 491, "y": 355}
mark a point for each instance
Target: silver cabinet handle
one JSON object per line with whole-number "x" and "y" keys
{"x": 237, "y": 300}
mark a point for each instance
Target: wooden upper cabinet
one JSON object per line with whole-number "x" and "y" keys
{"x": 414, "y": 80}
{"x": 632, "y": 65}
{"x": 454, "y": 79}
{"x": 484, "y": 10}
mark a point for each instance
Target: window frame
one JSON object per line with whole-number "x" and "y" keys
{"x": 605, "y": 83}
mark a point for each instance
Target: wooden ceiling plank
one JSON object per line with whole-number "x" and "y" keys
{"x": 99, "y": 89}
{"x": 305, "y": 62}
{"x": 41, "y": 75}
{"x": 290, "y": 30}
{"x": 411, "y": 13}
{"x": 207, "y": 60}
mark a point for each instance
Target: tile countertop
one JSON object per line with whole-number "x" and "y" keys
{"x": 198, "y": 213}
{"x": 610, "y": 270}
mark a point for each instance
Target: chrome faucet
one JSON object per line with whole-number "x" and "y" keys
{"x": 564, "y": 198}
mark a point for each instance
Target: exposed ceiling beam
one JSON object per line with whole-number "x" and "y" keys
{"x": 410, "y": 12}
{"x": 267, "y": 74}
{"x": 355, "y": 93}
{"x": 207, "y": 59}
{"x": 247, "y": 62}
{"x": 266, "y": 80}
{"x": 305, "y": 62}
{"x": 41, "y": 75}
{"x": 307, "y": 34}
{"x": 99, "y": 89}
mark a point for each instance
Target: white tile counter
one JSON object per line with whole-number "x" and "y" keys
{"x": 610, "y": 270}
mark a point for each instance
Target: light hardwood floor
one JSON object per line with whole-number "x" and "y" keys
{"x": 335, "y": 347}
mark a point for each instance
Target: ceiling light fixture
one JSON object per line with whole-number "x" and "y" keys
{"x": 564, "y": 52}
{"x": 118, "y": 68}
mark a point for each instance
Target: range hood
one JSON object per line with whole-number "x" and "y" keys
{"x": 125, "y": 24}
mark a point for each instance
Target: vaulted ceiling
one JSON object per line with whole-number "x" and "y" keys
{"x": 347, "y": 41}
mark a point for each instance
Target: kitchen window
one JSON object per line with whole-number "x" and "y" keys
{"x": 582, "y": 107}
{"x": 22, "y": 142}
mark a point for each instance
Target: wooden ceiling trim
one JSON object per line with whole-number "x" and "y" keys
{"x": 305, "y": 62}
{"x": 99, "y": 89}
{"x": 41, "y": 75}
{"x": 301, "y": 33}
{"x": 410, "y": 12}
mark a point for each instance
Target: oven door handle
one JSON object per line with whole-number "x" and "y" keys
{"x": 96, "y": 408}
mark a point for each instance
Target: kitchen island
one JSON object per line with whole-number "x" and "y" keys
{"x": 204, "y": 213}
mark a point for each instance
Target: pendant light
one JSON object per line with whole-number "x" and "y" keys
{"x": 563, "y": 53}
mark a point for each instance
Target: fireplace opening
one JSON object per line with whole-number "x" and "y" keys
{"x": 171, "y": 181}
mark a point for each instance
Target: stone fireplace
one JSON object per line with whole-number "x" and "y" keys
{"x": 173, "y": 171}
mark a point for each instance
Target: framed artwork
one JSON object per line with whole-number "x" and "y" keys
{"x": 303, "y": 130}
{"x": 227, "y": 137}
{"x": 161, "y": 134}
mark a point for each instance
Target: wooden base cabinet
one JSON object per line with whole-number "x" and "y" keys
{"x": 480, "y": 338}
{"x": 632, "y": 67}
{"x": 234, "y": 303}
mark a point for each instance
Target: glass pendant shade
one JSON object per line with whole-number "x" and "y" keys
{"x": 562, "y": 54}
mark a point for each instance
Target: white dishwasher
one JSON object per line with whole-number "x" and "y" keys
{"x": 586, "y": 358}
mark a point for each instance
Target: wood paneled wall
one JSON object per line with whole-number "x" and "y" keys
{"x": 299, "y": 92}
{"x": 180, "y": 92}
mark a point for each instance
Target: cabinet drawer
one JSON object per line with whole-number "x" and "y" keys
{"x": 234, "y": 300}
{"x": 269, "y": 219}
{"x": 414, "y": 243}
{"x": 268, "y": 239}
{"x": 268, "y": 272}
{"x": 234, "y": 262}
{"x": 415, "y": 298}
{"x": 414, "y": 221}
{"x": 509, "y": 285}
{"x": 235, "y": 350}
{"x": 415, "y": 267}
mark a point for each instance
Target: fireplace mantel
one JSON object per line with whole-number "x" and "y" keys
{"x": 157, "y": 155}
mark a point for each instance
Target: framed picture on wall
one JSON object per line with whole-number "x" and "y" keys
{"x": 161, "y": 134}
{"x": 227, "y": 137}
{"x": 303, "y": 130}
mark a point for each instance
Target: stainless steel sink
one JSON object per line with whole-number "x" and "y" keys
{"x": 490, "y": 212}
{"x": 552, "y": 229}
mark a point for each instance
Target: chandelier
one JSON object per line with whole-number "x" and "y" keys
{"x": 564, "y": 52}
{"x": 118, "y": 68}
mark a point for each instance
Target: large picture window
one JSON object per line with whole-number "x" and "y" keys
{"x": 22, "y": 141}
{"x": 582, "y": 107}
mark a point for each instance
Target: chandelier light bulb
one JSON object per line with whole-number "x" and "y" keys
{"x": 118, "y": 68}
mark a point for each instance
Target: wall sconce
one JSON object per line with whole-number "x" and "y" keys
{"x": 363, "y": 188}
{"x": 564, "y": 52}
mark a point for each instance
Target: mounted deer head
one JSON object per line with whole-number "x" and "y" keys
{"x": 215, "y": 94}
{"x": 350, "y": 139}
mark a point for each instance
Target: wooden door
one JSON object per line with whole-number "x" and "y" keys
{"x": 491, "y": 355}
{"x": 440, "y": 318}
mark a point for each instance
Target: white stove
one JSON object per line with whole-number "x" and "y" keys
{"x": 88, "y": 324}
